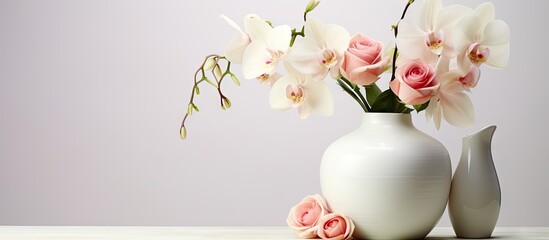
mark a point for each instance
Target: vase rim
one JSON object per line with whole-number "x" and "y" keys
{"x": 388, "y": 113}
{"x": 384, "y": 118}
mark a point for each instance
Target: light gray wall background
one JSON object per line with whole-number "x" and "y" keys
{"x": 92, "y": 94}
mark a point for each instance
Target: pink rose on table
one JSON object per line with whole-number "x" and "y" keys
{"x": 335, "y": 226}
{"x": 363, "y": 61}
{"x": 416, "y": 82}
{"x": 305, "y": 215}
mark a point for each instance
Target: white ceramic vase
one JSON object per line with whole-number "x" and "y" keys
{"x": 391, "y": 179}
{"x": 475, "y": 196}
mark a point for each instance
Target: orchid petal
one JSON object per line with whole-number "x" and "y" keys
{"x": 235, "y": 49}
{"x": 303, "y": 111}
{"x": 496, "y": 38}
{"x": 434, "y": 111}
{"x": 467, "y": 32}
{"x": 428, "y": 14}
{"x": 448, "y": 16}
{"x": 411, "y": 39}
{"x": 336, "y": 38}
{"x": 280, "y": 37}
{"x": 254, "y": 60}
{"x": 443, "y": 65}
{"x": 313, "y": 30}
{"x": 257, "y": 28}
{"x": 464, "y": 64}
{"x": 231, "y": 23}
{"x": 277, "y": 96}
{"x": 458, "y": 108}
{"x": 319, "y": 98}
{"x": 304, "y": 56}
{"x": 486, "y": 13}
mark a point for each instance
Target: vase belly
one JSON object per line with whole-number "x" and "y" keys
{"x": 393, "y": 185}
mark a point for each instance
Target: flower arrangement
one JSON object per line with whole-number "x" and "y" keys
{"x": 433, "y": 64}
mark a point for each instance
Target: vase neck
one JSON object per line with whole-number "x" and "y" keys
{"x": 386, "y": 120}
{"x": 482, "y": 138}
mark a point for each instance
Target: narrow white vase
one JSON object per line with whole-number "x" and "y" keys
{"x": 390, "y": 178}
{"x": 475, "y": 196}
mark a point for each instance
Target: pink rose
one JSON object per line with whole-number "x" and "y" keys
{"x": 305, "y": 215}
{"x": 363, "y": 61}
{"x": 335, "y": 227}
{"x": 416, "y": 82}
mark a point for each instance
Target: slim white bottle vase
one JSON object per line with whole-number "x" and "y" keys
{"x": 475, "y": 195}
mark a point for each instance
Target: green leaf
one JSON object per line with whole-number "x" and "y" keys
{"x": 372, "y": 93}
{"x": 389, "y": 102}
{"x": 421, "y": 107}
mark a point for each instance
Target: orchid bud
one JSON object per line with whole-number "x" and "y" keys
{"x": 217, "y": 71}
{"x": 183, "y": 132}
{"x": 190, "y": 109}
{"x": 195, "y": 107}
{"x": 312, "y": 5}
{"x": 235, "y": 80}
{"x": 197, "y": 90}
{"x": 226, "y": 104}
{"x": 209, "y": 63}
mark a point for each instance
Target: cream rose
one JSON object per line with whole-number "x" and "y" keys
{"x": 363, "y": 61}
{"x": 415, "y": 82}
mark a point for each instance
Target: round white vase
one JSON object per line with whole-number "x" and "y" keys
{"x": 391, "y": 179}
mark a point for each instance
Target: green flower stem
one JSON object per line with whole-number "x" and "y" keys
{"x": 295, "y": 33}
{"x": 345, "y": 86}
{"x": 395, "y": 29}
{"x": 218, "y": 77}
{"x": 356, "y": 89}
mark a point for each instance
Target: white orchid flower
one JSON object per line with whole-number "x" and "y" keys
{"x": 321, "y": 50}
{"x": 235, "y": 49}
{"x": 268, "y": 47}
{"x": 300, "y": 91}
{"x": 481, "y": 39}
{"x": 433, "y": 36}
{"x": 451, "y": 102}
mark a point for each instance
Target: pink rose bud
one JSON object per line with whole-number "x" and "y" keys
{"x": 363, "y": 61}
{"x": 416, "y": 82}
{"x": 335, "y": 226}
{"x": 305, "y": 215}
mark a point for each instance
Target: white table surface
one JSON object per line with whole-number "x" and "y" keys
{"x": 198, "y": 233}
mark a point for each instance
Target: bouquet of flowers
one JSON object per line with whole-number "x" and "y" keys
{"x": 433, "y": 65}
